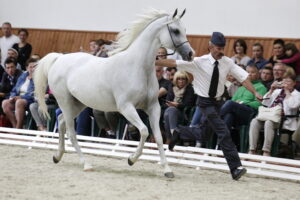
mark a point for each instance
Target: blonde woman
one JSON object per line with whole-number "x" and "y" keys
{"x": 180, "y": 96}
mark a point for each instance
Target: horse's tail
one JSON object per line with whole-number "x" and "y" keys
{"x": 40, "y": 78}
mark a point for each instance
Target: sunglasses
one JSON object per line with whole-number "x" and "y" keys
{"x": 181, "y": 78}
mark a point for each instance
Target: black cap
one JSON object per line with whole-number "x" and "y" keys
{"x": 218, "y": 39}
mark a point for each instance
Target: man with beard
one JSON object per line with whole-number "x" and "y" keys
{"x": 210, "y": 72}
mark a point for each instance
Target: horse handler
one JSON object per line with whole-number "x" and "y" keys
{"x": 210, "y": 72}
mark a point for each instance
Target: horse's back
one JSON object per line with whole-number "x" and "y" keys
{"x": 83, "y": 76}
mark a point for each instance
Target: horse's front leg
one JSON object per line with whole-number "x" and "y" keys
{"x": 130, "y": 113}
{"x": 154, "y": 114}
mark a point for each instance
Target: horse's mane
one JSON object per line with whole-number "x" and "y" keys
{"x": 126, "y": 37}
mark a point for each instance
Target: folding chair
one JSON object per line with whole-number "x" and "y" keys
{"x": 280, "y": 131}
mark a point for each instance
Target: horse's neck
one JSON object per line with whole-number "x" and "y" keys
{"x": 147, "y": 43}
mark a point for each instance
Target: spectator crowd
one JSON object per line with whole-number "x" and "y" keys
{"x": 276, "y": 78}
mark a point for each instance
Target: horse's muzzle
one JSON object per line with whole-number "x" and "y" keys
{"x": 188, "y": 56}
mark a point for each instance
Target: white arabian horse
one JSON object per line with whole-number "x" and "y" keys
{"x": 123, "y": 82}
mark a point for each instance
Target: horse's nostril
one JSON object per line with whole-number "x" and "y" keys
{"x": 190, "y": 54}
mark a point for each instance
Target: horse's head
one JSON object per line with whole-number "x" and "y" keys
{"x": 173, "y": 36}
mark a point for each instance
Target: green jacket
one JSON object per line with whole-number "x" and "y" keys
{"x": 244, "y": 95}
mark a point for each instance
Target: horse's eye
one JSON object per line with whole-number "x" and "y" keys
{"x": 176, "y": 31}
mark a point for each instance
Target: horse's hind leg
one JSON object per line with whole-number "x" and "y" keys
{"x": 61, "y": 146}
{"x": 130, "y": 113}
{"x": 70, "y": 112}
{"x": 154, "y": 113}
{"x": 71, "y": 107}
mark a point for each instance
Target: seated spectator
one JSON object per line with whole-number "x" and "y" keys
{"x": 164, "y": 85}
{"x": 282, "y": 94}
{"x": 7, "y": 41}
{"x": 12, "y": 53}
{"x": 9, "y": 78}
{"x": 279, "y": 70}
{"x": 243, "y": 104}
{"x": 161, "y": 53}
{"x": 99, "y": 48}
{"x": 240, "y": 50}
{"x": 21, "y": 96}
{"x": 294, "y": 59}
{"x": 180, "y": 96}
{"x": 278, "y": 52}
{"x": 266, "y": 76}
{"x": 170, "y": 72}
{"x": 232, "y": 85}
{"x": 92, "y": 45}
{"x": 257, "y": 56}
{"x": 38, "y": 117}
{"x": 23, "y": 48}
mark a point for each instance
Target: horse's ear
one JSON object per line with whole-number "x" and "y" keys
{"x": 175, "y": 13}
{"x": 182, "y": 13}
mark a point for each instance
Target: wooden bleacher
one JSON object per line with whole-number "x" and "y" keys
{"x": 48, "y": 40}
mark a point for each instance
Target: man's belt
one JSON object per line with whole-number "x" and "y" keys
{"x": 211, "y": 98}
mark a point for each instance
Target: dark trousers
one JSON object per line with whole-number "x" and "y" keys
{"x": 235, "y": 114}
{"x": 210, "y": 110}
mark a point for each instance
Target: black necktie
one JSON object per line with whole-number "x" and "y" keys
{"x": 214, "y": 81}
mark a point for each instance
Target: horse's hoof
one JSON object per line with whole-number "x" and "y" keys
{"x": 130, "y": 162}
{"x": 169, "y": 175}
{"x": 88, "y": 168}
{"x": 55, "y": 160}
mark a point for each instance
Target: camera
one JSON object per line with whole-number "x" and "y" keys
{"x": 279, "y": 84}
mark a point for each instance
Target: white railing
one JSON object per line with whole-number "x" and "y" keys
{"x": 187, "y": 156}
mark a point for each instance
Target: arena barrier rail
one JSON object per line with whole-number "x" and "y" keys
{"x": 187, "y": 156}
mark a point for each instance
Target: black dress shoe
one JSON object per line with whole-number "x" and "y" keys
{"x": 238, "y": 173}
{"x": 174, "y": 140}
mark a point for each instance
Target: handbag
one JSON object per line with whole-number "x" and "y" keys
{"x": 273, "y": 113}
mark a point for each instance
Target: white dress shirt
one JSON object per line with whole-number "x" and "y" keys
{"x": 5, "y": 44}
{"x": 202, "y": 69}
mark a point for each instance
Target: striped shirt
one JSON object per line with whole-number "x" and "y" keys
{"x": 202, "y": 69}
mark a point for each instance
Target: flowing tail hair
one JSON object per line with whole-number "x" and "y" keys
{"x": 40, "y": 78}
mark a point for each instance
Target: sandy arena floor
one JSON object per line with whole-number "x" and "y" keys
{"x": 31, "y": 175}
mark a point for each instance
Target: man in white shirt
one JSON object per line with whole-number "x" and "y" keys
{"x": 210, "y": 73}
{"x": 7, "y": 40}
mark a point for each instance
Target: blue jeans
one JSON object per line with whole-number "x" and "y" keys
{"x": 196, "y": 118}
